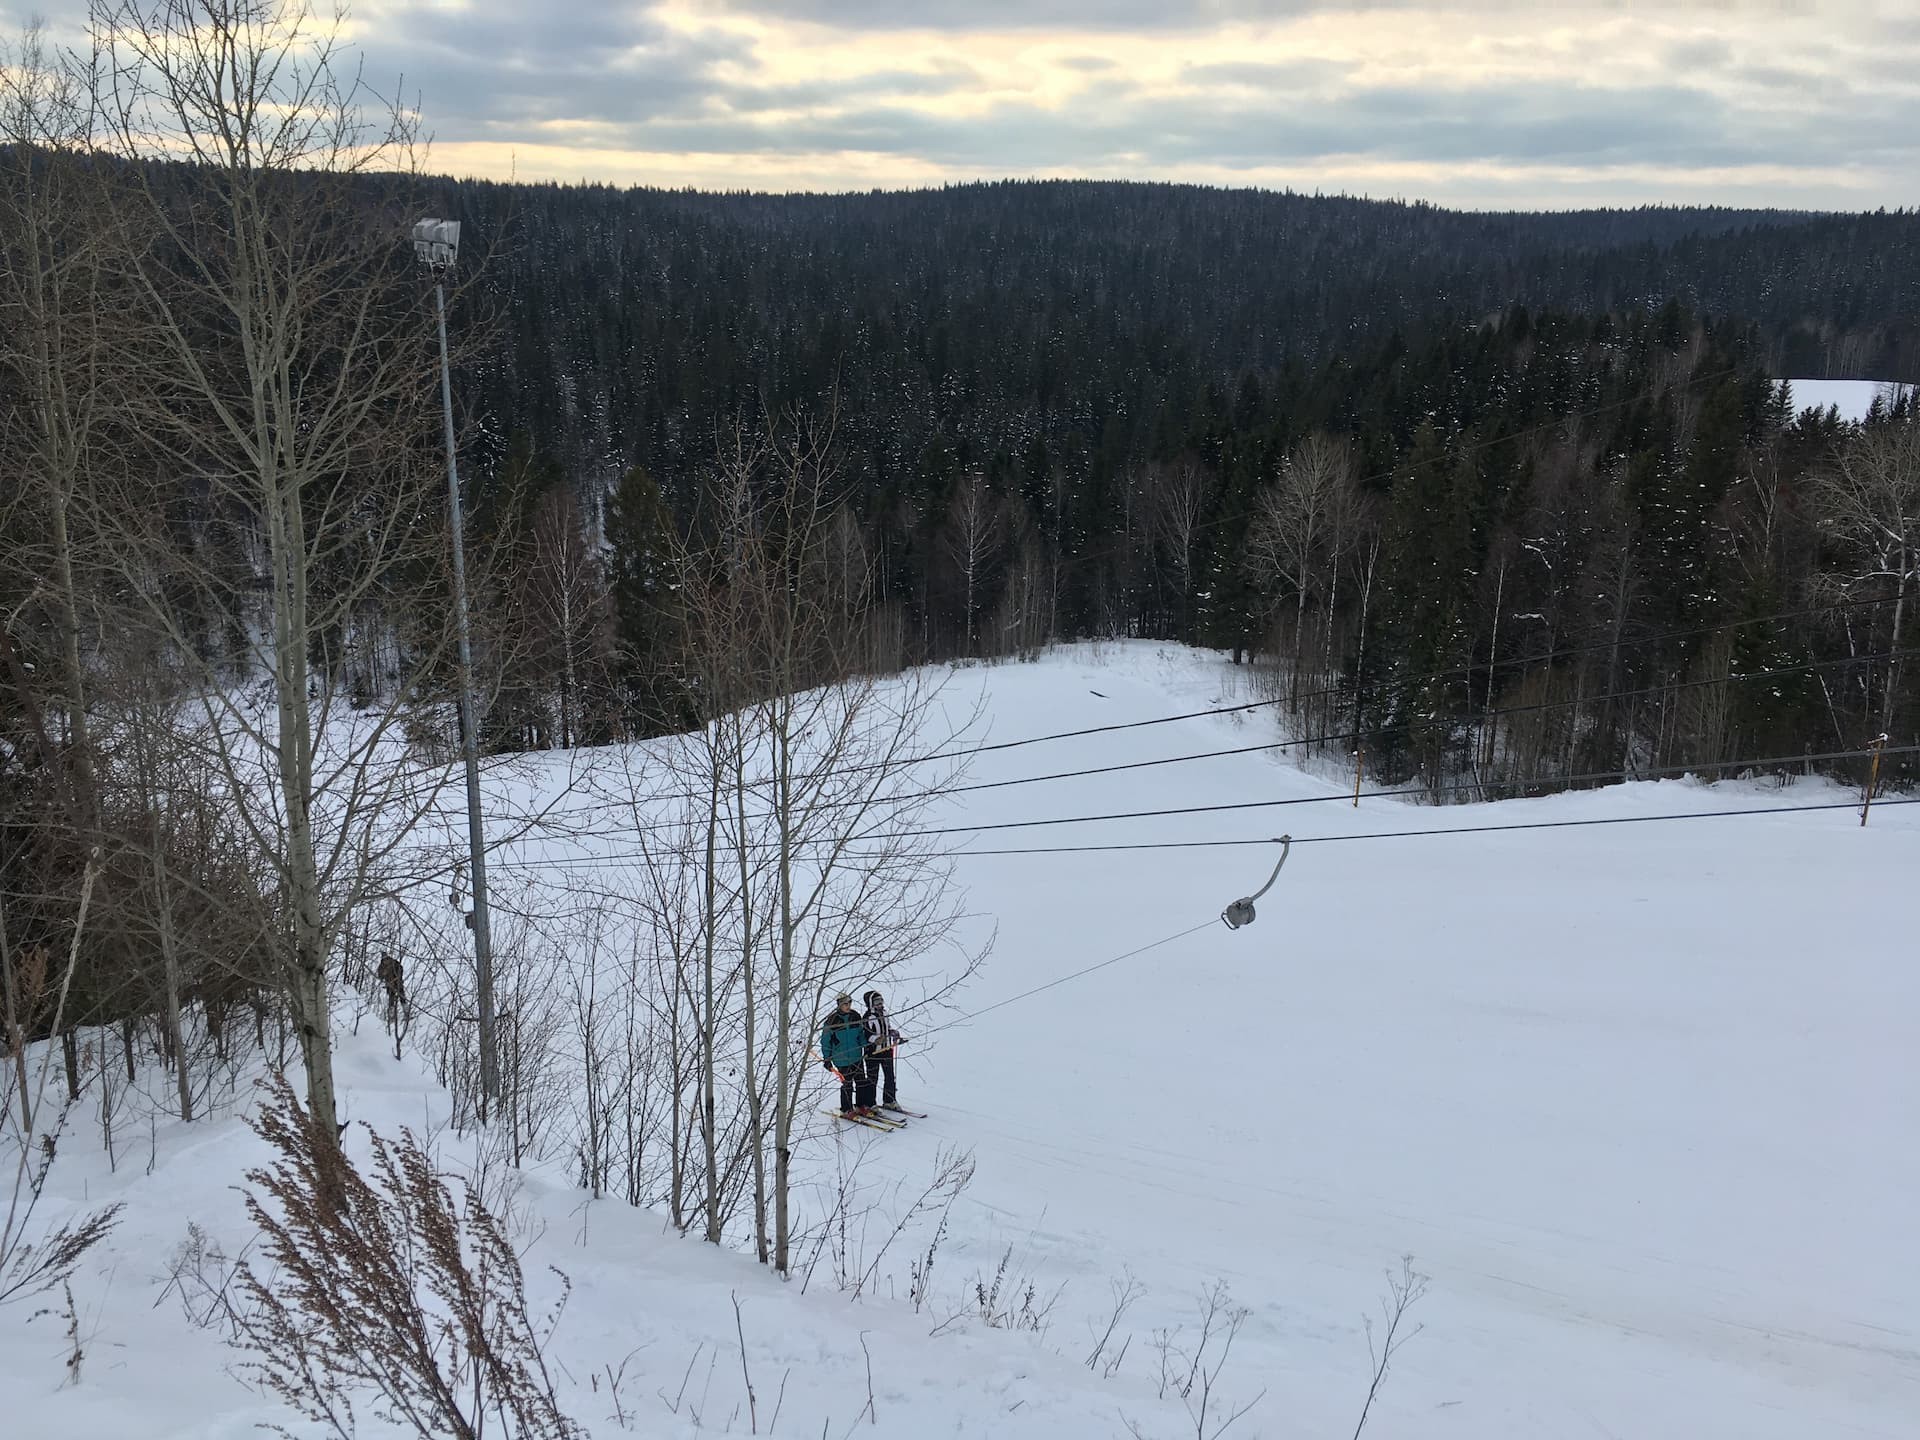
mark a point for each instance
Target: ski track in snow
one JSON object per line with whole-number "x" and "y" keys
{"x": 1639, "y": 1099}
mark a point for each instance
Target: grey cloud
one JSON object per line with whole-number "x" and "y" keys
{"x": 1898, "y": 67}
{"x": 1084, "y": 15}
{"x": 964, "y": 14}
{"x": 1708, "y": 52}
{"x": 1280, "y": 75}
{"x": 1798, "y": 82}
{"x": 1530, "y": 124}
{"x": 946, "y": 80}
{"x": 499, "y": 64}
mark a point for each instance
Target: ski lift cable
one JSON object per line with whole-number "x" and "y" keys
{"x": 1240, "y": 913}
{"x": 1446, "y": 830}
{"x": 1344, "y": 796}
{"x": 1244, "y": 706}
{"x": 1062, "y": 980}
{"x": 1350, "y": 736}
{"x": 1326, "y": 692}
{"x": 613, "y": 859}
{"x": 1342, "y": 737}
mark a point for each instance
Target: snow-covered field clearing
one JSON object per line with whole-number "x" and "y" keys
{"x": 1638, "y": 1098}
{"x": 1852, "y": 398}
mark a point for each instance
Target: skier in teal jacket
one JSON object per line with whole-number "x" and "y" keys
{"x": 843, "y": 1049}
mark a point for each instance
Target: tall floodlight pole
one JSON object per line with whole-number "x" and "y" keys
{"x": 437, "y": 243}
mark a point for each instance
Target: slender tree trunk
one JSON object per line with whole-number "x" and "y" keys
{"x": 633, "y": 1117}
{"x": 294, "y": 754}
{"x": 710, "y": 920}
{"x": 1323, "y": 721}
{"x": 1618, "y": 629}
{"x": 273, "y": 426}
{"x": 568, "y": 678}
{"x": 59, "y": 447}
{"x": 1573, "y": 718}
{"x": 16, "y": 1026}
{"x": 756, "y": 1124}
{"x": 68, "y": 610}
{"x": 971, "y": 566}
{"x": 1299, "y": 636}
{"x": 1360, "y": 654}
{"x": 174, "y": 1037}
{"x": 783, "y": 1061}
{"x": 78, "y": 754}
{"x": 1493, "y": 664}
{"x": 170, "y": 959}
{"x": 675, "y": 987}
{"x": 1891, "y": 698}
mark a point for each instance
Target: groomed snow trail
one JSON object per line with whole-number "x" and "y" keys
{"x": 1638, "y": 1098}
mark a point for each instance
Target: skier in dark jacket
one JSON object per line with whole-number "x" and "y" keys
{"x": 394, "y": 981}
{"x": 843, "y": 1049}
{"x": 881, "y": 1040}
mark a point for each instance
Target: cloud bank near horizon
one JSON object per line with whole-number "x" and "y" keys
{"x": 1481, "y": 103}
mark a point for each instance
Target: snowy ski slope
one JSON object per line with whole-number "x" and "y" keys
{"x": 1634, "y": 1096}
{"x": 1638, "y": 1098}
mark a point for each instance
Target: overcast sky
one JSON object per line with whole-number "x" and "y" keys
{"x": 1491, "y": 103}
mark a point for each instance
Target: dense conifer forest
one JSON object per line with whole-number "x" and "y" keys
{"x": 1096, "y": 317}
{"x": 1072, "y": 409}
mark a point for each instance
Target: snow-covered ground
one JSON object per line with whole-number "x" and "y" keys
{"x": 1638, "y": 1098}
{"x": 1852, "y": 398}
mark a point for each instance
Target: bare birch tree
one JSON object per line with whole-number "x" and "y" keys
{"x": 55, "y": 240}
{"x": 1295, "y": 521}
{"x": 1025, "y": 618}
{"x": 1178, "y": 501}
{"x": 55, "y": 351}
{"x": 975, "y": 526}
{"x": 823, "y": 765}
{"x": 1869, "y": 501}
{"x": 567, "y": 601}
{"x": 294, "y": 382}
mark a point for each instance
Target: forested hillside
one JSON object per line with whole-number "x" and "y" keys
{"x": 1092, "y": 316}
{"x": 1401, "y": 454}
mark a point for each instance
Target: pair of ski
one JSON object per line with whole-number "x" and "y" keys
{"x": 888, "y": 1117}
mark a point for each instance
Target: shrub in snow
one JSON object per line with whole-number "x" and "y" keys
{"x": 385, "y": 1286}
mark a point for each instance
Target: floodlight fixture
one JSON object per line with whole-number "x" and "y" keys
{"x": 436, "y": 242}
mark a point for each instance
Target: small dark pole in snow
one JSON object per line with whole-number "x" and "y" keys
{"x": 1359, "y": 770}
{"x": 1873, "y": 777}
